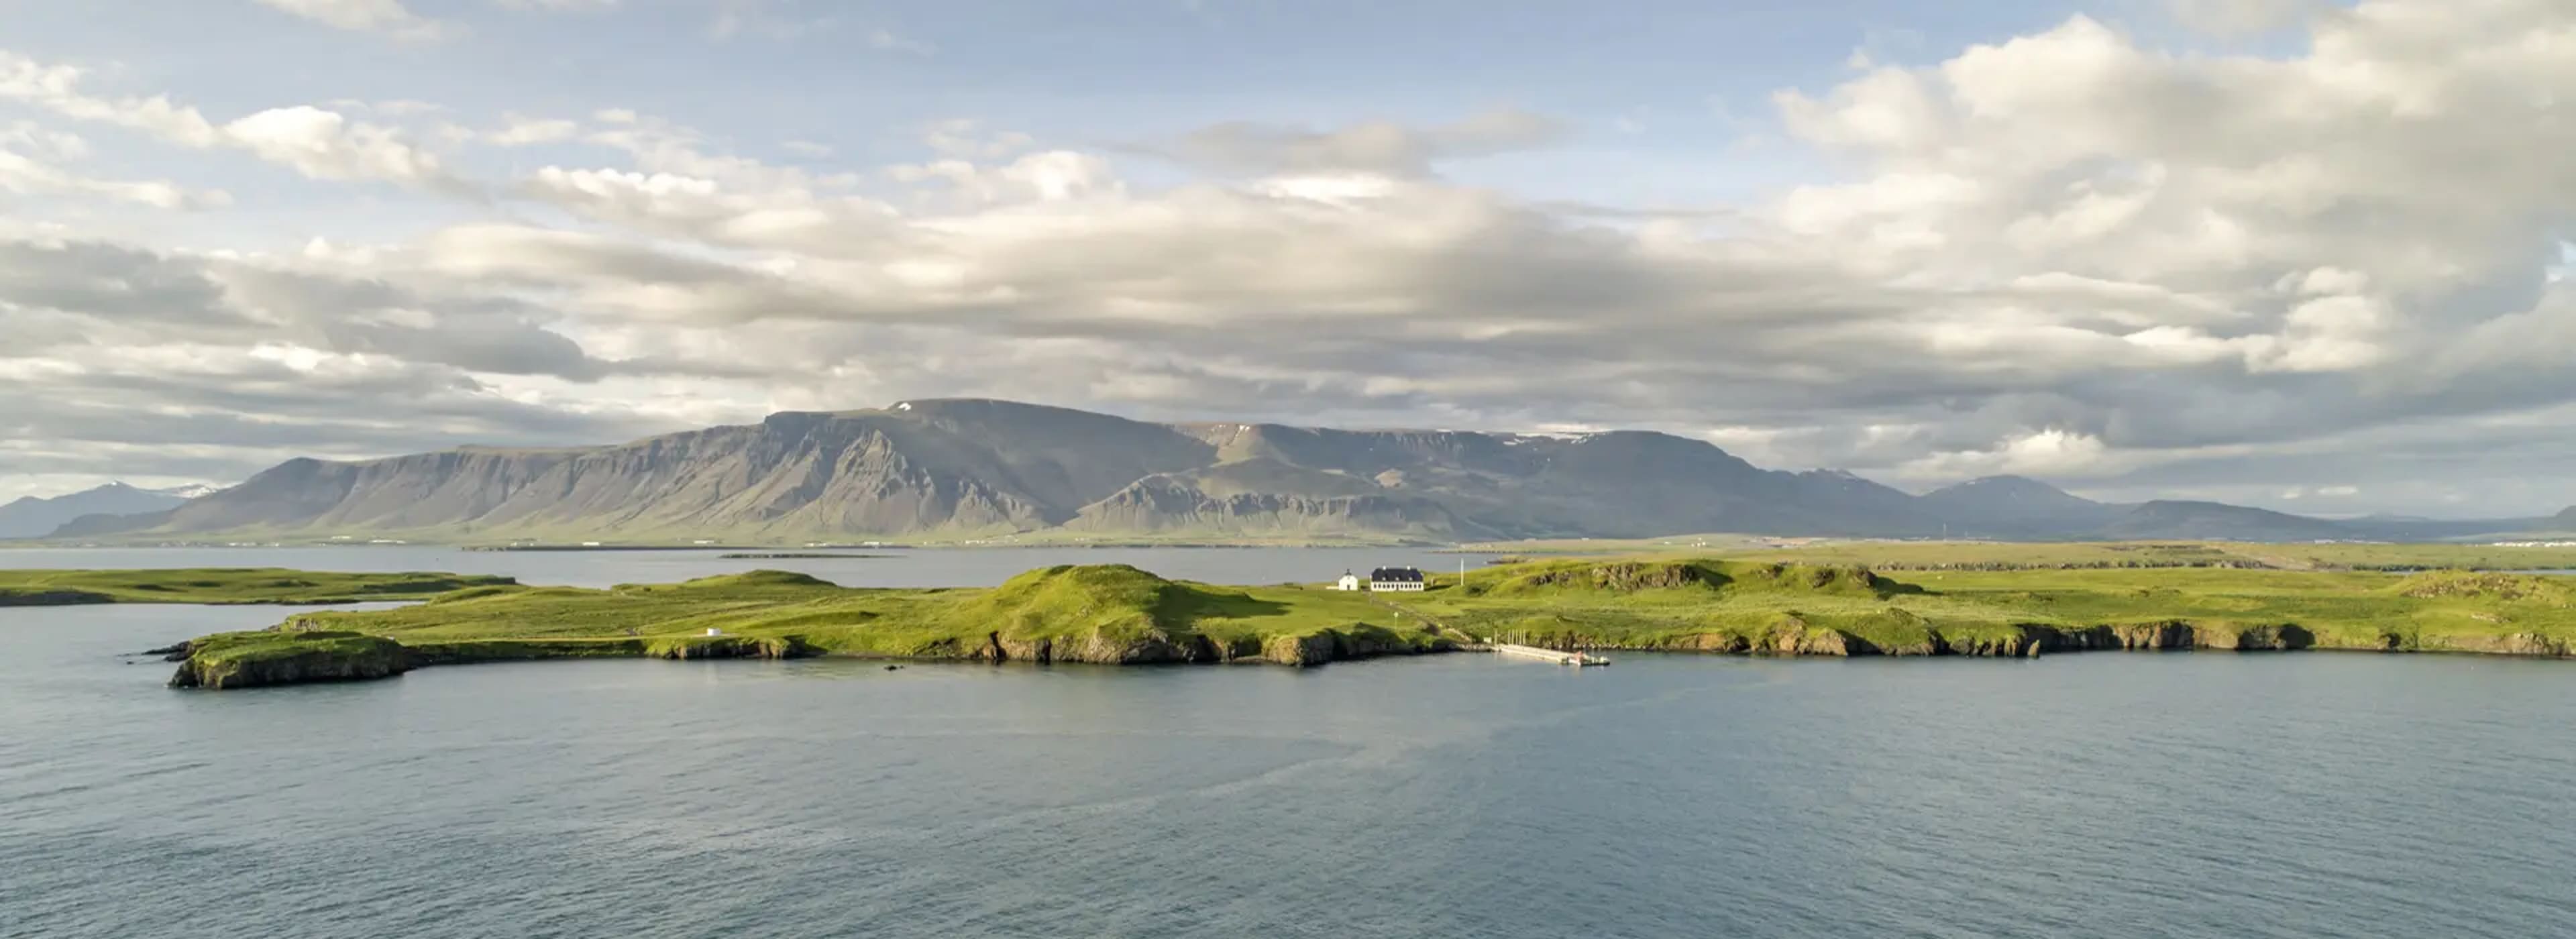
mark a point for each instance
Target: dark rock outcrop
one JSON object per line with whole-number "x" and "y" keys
{"x": 309, "y": 658}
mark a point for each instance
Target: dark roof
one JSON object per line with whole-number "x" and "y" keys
{"x": 1408, "y": 574}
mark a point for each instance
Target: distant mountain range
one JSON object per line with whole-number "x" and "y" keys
{"x": 32, "y": 517}
{"x": 963, "y": 468}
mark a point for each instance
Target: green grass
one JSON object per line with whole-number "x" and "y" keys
{"x": 223, "y": 585}
{"x": 1735, "y": 605}
{"x": 1101, "y": 613}
{"x": 245, "y": 659}
{"x": 1894, "y": 556}
{"x": 1119, "y": 614}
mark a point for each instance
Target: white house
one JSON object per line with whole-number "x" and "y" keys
{"x": 1349, "y": 581}
{"x": 1395, "y": 580}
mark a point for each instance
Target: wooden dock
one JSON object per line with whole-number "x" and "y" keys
{"x": 1575, "y": 659}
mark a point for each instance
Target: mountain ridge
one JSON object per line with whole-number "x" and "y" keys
{"x": 970, "y": 468}
{"x": 35, "y": 516}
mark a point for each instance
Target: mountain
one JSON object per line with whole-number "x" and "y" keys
{"x": 2017, "y": 506}
{"x": 2217, "y": 521}
{"x": 31, "y": 517}
{"x": 978, "y": 468}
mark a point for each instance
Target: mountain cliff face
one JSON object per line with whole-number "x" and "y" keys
{"x": 975, "y": 468}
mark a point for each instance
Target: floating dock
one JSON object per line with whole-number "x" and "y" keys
{"x": 1575, "y": 659}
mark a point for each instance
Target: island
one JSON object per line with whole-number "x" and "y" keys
{"x": 1119, "y": 615}
{"x": 227, "y": 585}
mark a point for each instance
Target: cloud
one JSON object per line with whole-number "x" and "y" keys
{"x": 2072, "y": 253}
{"x": 968, "y": 139}
{"x": 528, "y": 131}
{"x": 385, "y": 17}
{"x": 316, "y": 142}
{"x": 2051, "y": 452}
{"x": 1371, "y": 147}
{"x": 884, "y": 40}
{"x": 2243, "y": 17}
{"x": 54, "y": 87}
{"x": 1047, "y": 176}
{"x": 326, "y": 145}
{"x": 26, "y": 168}
{"x": 72, "y": 296}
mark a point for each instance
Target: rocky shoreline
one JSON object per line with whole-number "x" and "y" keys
{"x": 206, "y": 663}
{"x": 2034, "y": 641}
{"x": 354, "y": 657}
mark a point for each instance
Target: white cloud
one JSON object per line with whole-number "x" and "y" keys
{"x": 1372, "y": 146}
{"x": 528, "y": 131}
{"x": 966, "y": 138}
{"x": 387, "y": 17}
{"x": 2243, "y": 17}
{"x": 326, "y": 145}
{"x": 25, "y": 175}
{"x": 2050, "y": 452}
{"x": 2070, "y": 253}
{"x": 1045, "y": 176}
{"x": 319, "y": 143}
{"x": 54, "y": 87}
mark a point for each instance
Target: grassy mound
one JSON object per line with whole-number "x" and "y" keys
{"x": 1542, "y": 578}
{"x": 250, "y": 659}
{"x": 755, "y": 580}
{"x": 762, "y": 581}
{"x": 480, "y": 593}
{"x": 1114, "y": 602}
{"x": 2436, "y": 585}
{"x": 1837, "y": 580}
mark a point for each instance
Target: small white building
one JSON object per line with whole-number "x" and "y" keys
{"x": 712, "y": 631}
{"x": 1349, "y": 581}
{"x": 1395, "y": 580}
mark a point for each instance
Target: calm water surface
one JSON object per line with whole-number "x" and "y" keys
{"x": 2080, "y": 795}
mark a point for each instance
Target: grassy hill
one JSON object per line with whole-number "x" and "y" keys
{"x": 1111, "y": 614}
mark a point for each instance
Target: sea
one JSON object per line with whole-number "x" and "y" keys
{"x": 2102, "y": 794}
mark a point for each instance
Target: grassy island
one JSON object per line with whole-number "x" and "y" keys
{"x": 1116, "y": 614}
{"x": 225, "y": 585}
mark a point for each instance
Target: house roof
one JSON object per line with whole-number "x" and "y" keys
{"x": 1403, "y": 574}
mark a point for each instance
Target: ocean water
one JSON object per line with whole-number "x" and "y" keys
{"x": 2107, "y": 794}
{"x": 2100, "y": 795}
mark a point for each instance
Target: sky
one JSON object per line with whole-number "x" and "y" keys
{"x": 2301, "y": 254}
